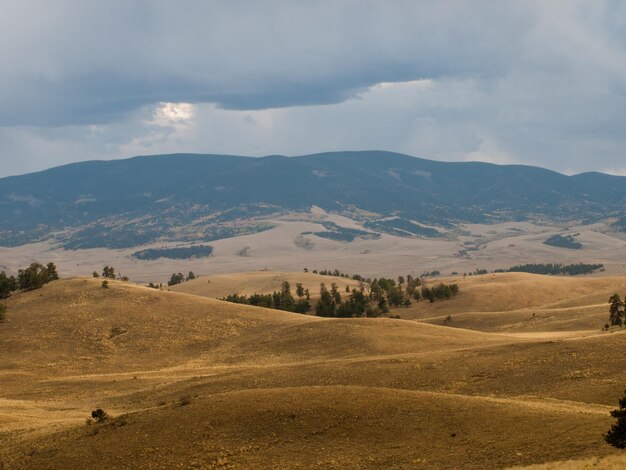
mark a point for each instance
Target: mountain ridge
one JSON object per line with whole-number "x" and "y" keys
{"x": 156, "y": 196}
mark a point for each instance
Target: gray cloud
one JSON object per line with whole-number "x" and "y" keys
{"x": 529, "y": 82}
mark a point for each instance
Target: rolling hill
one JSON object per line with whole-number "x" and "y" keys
{"x": 259, "y": 282}
{"x": 194, "y": 198}
{"x": 196, "y": 382}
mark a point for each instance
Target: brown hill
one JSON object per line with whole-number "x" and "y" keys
{"x": 196, "y": 382}
{"x": 259, "y": 282}
{"x": 520, "y": 302}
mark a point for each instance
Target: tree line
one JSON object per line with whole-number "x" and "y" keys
{"x": 373, "y": 298}
{"x": 30, "y": 278}
{"x": 554, "y": 268}
{"x": 178, "y": 278}
{"x": 279, "y": 300}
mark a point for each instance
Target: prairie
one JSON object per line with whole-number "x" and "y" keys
{"x": 193, "y": 382}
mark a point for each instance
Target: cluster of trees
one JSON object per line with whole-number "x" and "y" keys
{"x": 336, "y": 273}
{"x": 108, "y": 272}
{"x": 567, "y": 241}
{"x": 554, "y": 269}
{"x": 279, "y": 300}
{"x": 617, "y": 315}
{"x": 373, "y": 298}
{"x": 178, "y": 278}
{"x": 357, "y": 304}
{"x": 188, "y": 252}
{"x": 379, "y": 296}
{"x": 32, "y": 277}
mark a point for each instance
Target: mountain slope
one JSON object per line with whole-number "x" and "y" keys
{"x": 182, "y": 197}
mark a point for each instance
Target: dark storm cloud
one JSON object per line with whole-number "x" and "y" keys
{"x": 75, "y": 62}
{"x": 533, "y": 82}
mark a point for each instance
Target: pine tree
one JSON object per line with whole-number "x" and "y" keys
{"x": 616, "y": 436}
{"x": 5, "y": 285}
{"x": 299, "y": 289}
{"x": 616, "y": 313}
{"x": 52, "y": 272}
{"x": 32, "y": 277}
{"x": 335, "y": 293}
{"x": 108, "y": 272}
{"x": 325, "y": 305}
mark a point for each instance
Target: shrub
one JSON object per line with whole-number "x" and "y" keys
{"x": 99, "y": 415}
{"x": 105, "y": 284}
{"x": 3, "y": 312}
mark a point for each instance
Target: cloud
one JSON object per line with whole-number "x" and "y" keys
{"x": 533, "y": 82}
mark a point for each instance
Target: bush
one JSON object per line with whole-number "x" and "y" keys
{"x": 99, "y": 415}
{"x": 3, "y": 313}
{"x": 105, "y": 284}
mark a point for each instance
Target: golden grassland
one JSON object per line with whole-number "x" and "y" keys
{"x": 194, "y": 382}
{"x": 260, "y": 282}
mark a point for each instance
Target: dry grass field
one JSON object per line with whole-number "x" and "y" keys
{"x": 260, "y": 282}
{"x": 194, "y": 382}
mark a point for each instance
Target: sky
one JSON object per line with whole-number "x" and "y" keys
{"x": 534, "y": 82}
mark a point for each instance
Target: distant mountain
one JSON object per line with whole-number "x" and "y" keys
{"x": 123, "y": 203}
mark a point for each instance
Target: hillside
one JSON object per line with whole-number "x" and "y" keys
{"x": 193, "y": 381}
{"x": 520, "y": 302}
{"x": 259, "y": 282}
{"x": 193, "y": 198}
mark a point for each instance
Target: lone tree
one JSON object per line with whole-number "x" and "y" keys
{"x": 616, "y": 436}
{"x": 616, "y": 314}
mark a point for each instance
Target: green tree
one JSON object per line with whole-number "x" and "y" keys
{"x": 335, "y": 293}
{"x": 299, "y": 289}
{"x": 191, "y": 276}
{"x": 287, "y": 301}
{"x": 616, "y": 436}
{"x": 108, "y": 272}
{"x": 32, "y": 277}
{"x": 382, "y": 305}
{"x": 5, "y": 285}
{"x": 176, "y": 278}
{"x": 52, "y": 272}
{"x": 616, "y": 313}
{"x": 325, "y": 305}
{"x": 95, "y": 274}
